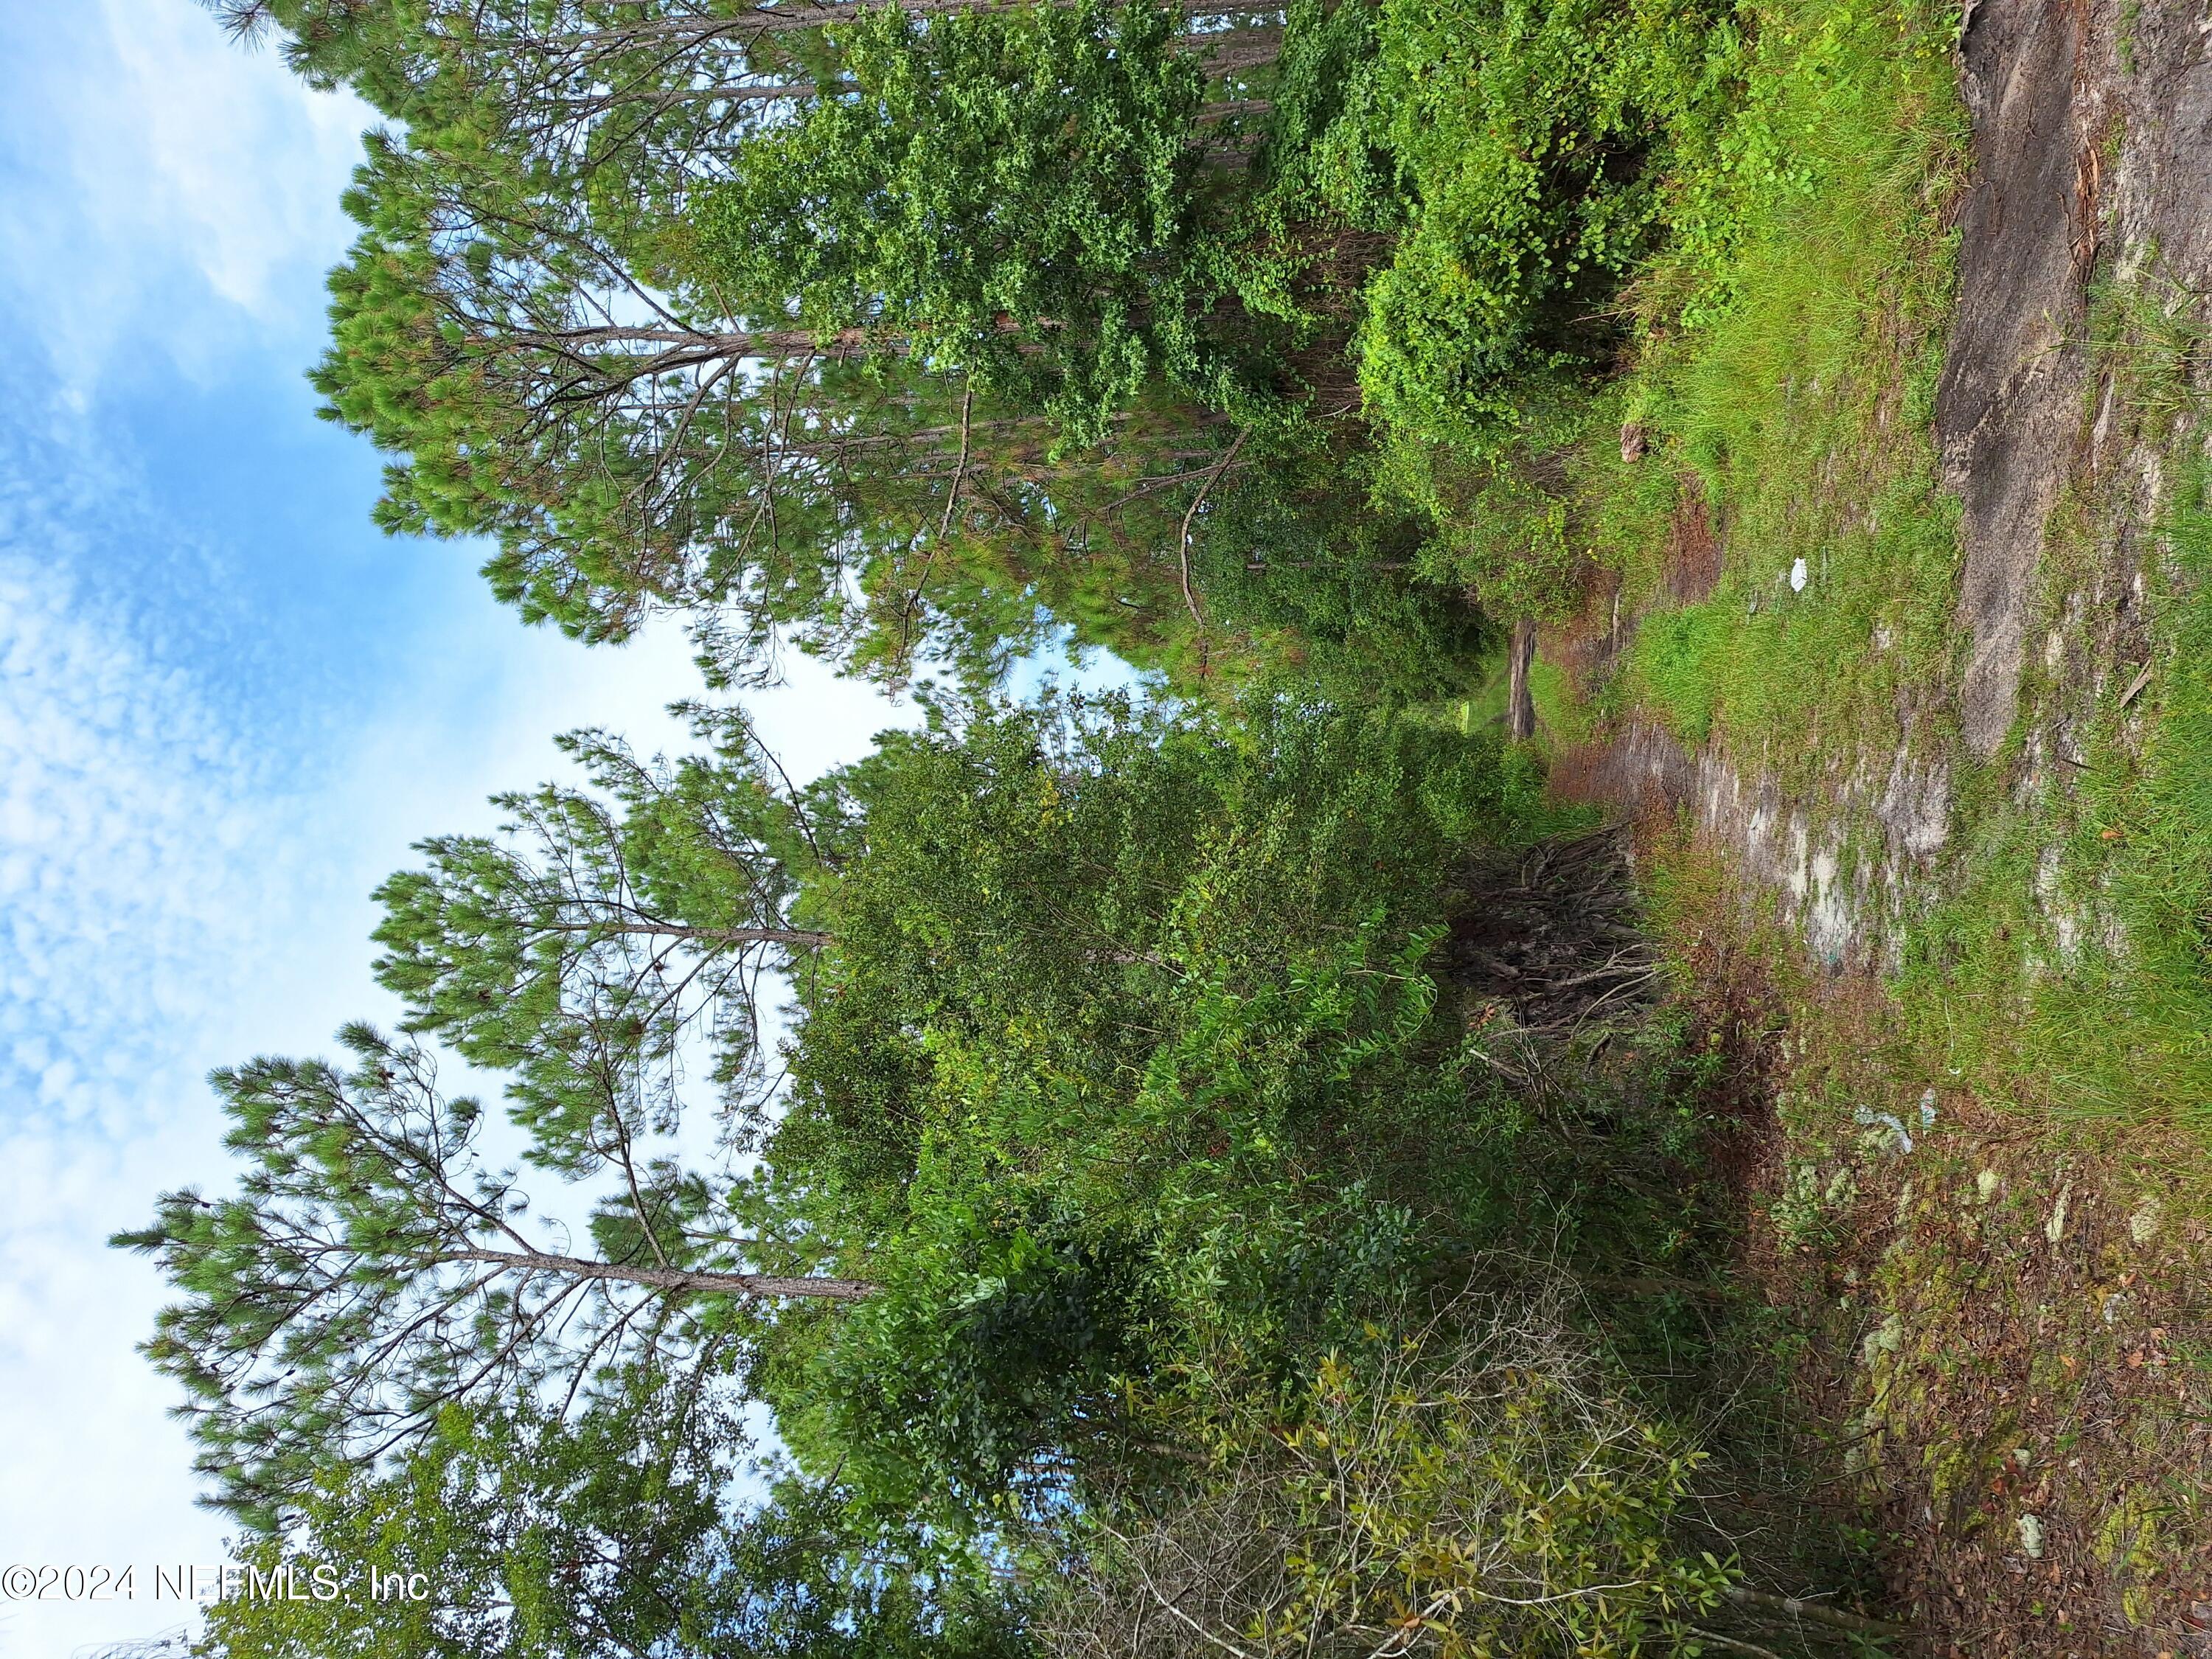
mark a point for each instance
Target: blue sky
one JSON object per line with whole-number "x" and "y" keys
{"x": 226, "y": 705}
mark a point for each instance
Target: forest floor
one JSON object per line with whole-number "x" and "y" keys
{"x": 2003, "y": 1318}
{"x": 1949, "y": 908}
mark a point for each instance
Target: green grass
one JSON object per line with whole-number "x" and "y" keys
{"x": 1676, "y": 656}
{"x": 2072, "y": 967}
{"x": 1793, "y": 339}
{"x": 1793, "y": 335}
{"x": 2108, "y": 1013}
{"x": 1562, "y": 722}
{"x": 1790, "y": 338}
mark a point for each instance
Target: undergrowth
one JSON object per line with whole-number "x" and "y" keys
{"x": 1771, "y": 335}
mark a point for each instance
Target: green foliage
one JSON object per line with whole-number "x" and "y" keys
{"x": 1023, "y": 872}
{"x": 984, "y": 1374}
{"x": 878, "y": 497}
{"x": 372, "y": 1268}
{"x": 1471, "y": 1485}
{"x": 1509, "y": 525}
{"x": 615, "y": 1533}
{"x": 576, "y": 950}
{"x": 1330, "y": 589}
{"x": 303, "y": 1332}
{"x": 1739, "y": 205}
{"x": 1123, "y": 1071}
{"x": 1137, "y": 1138}
{"x": 907, "y": 354}
{"x": 680, "y": 462}
{"x": 1528, "y": 141}
{"x": 1230, "y": 1001}
{"x": 1518, "y": 162}
{"x": 940, "y": 315}
{"x": 1039, "y": 941}
{"x": 1017, "y": 195}
{"x": 522, "y": 1535}
{"x": 1793, "y": 330}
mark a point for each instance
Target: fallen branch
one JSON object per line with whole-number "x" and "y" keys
{"x": 1730, "y": 1644}
{"x": 1833, "y": 1617}
{"x": 2135, "y": 689}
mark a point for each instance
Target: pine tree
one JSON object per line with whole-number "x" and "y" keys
{"x": 582, "y": 328}
{"x": 371, "y": 1270}
{"x": 575, "y": 949}
{"x": 627, "y": 1529}
{"x": 1043, "y": 960}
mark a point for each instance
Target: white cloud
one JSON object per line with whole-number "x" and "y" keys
{"x": 184, "y": 869}
{"x": 119, "y": 823}
{"x": 164, "y": 191}
{"x": 184, "y": 881}
{"x": 227, "y": 157}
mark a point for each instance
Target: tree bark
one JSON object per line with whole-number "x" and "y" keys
{"x": 1226, "y": 51}
{"x": 686, "y": 348}
{"x": 1520, "y": 700}
{"x": 807, "y": 937}
{"x": 776, "y": 343}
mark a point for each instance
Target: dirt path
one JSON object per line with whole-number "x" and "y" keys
{"x": 2093, "y": 142}
{"x": 2007, "y": 1333}
{"x": 2007, "y": 1317}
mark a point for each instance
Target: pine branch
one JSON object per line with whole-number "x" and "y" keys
{"x": 681, "y": 1280}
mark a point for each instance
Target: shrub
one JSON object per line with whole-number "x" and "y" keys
{"x": 1527, "y": 141}
{"x": 1477, "y": 1486}
{"x": 1164, "y": 1053}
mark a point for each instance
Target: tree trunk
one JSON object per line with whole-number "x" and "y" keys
{"x": 1232, "y": 50}
{"x": 1226, "y": 51}
{"x": 807, "y": 938}
{"x": 686, "y": 348}
{"x": 797, "y": 15}
{"x": 681, "y": 1280}
{"x": 1520, "y": 702}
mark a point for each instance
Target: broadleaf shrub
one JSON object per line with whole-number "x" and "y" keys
{"x": 1528, "y": 143}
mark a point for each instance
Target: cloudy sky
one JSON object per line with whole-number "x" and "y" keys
{"x": 226, "y": 706}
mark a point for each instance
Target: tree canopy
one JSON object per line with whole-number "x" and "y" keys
{"x": 1119, "y": 874}
{"x": 1094, "y": 1134}
{"x": 613, "y": 1534}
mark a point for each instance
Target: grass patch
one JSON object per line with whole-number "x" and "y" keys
{"x": 1794, "y": 337}
{"x": 1996, "y": 1323}
{"x": 1675, "y": 657}
{"x": 1973, "y": 1279}
{"x": 1560, "y": 715}
{"x": 1793, "y": 334}
{"x": 2074, "y": 965}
